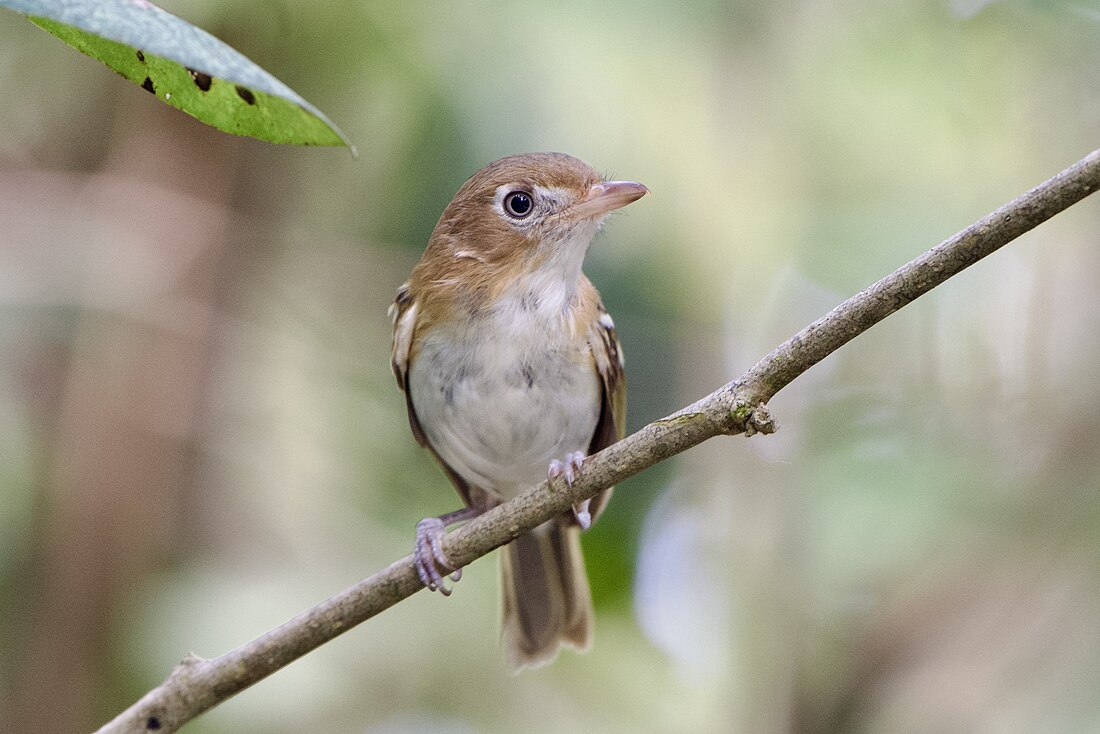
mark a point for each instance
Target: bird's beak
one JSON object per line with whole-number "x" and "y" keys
{"x": 607, "y": 196}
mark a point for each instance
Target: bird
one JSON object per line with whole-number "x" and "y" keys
{"x": 512, "y": 373}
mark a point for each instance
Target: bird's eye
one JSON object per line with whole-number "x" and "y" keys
{"x": 519, "y": 204}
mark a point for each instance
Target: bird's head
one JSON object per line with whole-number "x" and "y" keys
{"x": 526, "y": 212}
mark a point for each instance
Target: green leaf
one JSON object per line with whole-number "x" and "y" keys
{"x": 185, "y": 67}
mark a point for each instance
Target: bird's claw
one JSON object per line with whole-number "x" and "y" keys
{"x": 569, "y": 468}
{"x": 584, "y": 517}
{"x": 432, "y": 564}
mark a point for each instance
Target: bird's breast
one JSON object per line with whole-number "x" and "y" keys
{"x": 500, "y": 396}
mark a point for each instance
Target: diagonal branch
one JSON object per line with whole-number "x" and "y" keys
{"x": 197, "y": 685}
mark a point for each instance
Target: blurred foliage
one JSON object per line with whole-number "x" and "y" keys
{"x": 199, "y": 434}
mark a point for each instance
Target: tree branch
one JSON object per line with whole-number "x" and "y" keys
{"x": 197, "y": 685}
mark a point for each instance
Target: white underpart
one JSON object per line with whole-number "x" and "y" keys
{"x": 501, "y": 396}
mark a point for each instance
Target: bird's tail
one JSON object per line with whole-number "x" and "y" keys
{"x": 545, "y": 592}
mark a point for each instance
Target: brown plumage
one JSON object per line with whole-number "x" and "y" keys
{"x": 512, "y": 371}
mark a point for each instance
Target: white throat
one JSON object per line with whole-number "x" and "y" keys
{"x": 551, "y": 288}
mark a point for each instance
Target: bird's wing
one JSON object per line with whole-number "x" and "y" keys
{"x": 612, "y": 422}
{"x": 404, "y": 312}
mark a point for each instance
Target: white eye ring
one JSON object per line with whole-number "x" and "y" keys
{"x": 519, "y": 204}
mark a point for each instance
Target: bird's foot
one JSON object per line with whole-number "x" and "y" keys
{"x": 432, "y": 564}
{"x": 569, "y": 468}
{"x": 584, "y": 517}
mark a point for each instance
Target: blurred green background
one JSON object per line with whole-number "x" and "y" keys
{"x": 200, "y": 437}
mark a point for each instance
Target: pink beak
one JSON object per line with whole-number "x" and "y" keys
{"x": 607, "y": 196}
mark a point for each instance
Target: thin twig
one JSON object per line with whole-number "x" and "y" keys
{"x": 197, "y": 685}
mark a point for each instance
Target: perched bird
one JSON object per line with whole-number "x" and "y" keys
{"x": 512, "y": 373}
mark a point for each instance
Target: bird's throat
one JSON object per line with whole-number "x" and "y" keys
{"x": 548, "y": 284}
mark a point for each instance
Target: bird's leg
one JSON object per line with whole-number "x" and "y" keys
{"x": 432, "y": 563}
{"x": 569, "y": 468}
